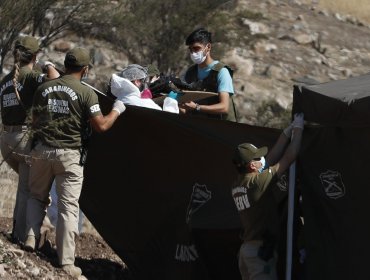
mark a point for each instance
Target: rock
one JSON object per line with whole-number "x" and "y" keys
{"x": 346, "y": 72}
{"x": 339, "y": 17}
{"x": 35, "y": 272}
{"x": 324, "y": 13}
{"x": 97, "y": 56}
{"x": 262, "y": 47}
{"x": 316, "y": 60}
{"x": 256, "y": 27}
{"x": 333, "y": 76}
{"x": 21, "y": 275}
{"x": 20, "y": 264}
{"x": 300, "y": 17}
{"x": 62, "y": 46}
{"x": 16, "y": 253}
{"x": 2, "y": 271}
{"x": 243, "y": 67}
{"x": 303, "y": 39}
{"x": 274, "y": 72}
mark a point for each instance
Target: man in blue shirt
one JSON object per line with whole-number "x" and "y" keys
{"x": 209, "y": 75}
{"x": 216, "y": 241}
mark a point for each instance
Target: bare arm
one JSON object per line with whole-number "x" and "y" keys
{"x": 290, "y": 153}
{"x": 277, "y": 150}
{"x": 102, "y": 123}
{"x": 52, "y": 73}
{"x": 221, "y": 107}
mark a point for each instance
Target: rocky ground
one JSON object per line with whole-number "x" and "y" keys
{"x": 292, "y": 40}
{"x": 295, "y": 40}
{"x": 94, "y": 256}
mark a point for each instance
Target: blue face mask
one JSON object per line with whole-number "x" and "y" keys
{"x": 263, "y": 162}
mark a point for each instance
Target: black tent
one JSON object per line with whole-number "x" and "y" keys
{"x": 153, "y": 175}
{"x": 333, "y": 174}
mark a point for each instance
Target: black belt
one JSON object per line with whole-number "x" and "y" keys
{"x": 15, "y": 128}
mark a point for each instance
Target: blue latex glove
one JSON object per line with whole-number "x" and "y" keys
{"x": 174, "y": 95}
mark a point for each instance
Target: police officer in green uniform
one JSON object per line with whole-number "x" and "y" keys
{"x": 254, "y": 198}
{"x": 209, "y": 75}
{"x": 16, "y": 93}
{"x": 62, "y": 109}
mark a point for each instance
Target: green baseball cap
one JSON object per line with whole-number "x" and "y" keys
{"x": 152, "y": 70}
{"x": 28, "y": 42}
{"x": 246, "y": 152}
{"x": 77, "y": 57}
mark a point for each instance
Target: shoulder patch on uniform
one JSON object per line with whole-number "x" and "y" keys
{"x": 40, "y": 78}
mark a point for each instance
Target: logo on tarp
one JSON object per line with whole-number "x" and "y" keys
{"x": 199, "y": 197}
{"x": 333, "y": 184}
{"x": 186, "y": 253}
{"x": 283, "y": 183}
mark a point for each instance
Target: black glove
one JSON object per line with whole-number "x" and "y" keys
{"x": 162, "y": 85}
{"x": 180, "y": 84}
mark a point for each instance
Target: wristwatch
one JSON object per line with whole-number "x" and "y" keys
{"x": 197, "y": 107}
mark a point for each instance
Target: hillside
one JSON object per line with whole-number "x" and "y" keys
{"x": 282, "y": 42}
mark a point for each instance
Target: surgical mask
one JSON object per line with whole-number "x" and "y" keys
{"x": 85, "y": 76}
{"x": 198, "y": 57}
{"x": 142, "y": 87}
{"x": 263, "y": 164}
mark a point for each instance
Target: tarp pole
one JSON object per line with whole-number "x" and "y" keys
{"x": 289, "y": 243}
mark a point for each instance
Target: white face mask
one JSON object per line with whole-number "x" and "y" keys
{"x": 263, "y": 164}
{"x": 198, "y": 57}
{"x": 85, "y": 76}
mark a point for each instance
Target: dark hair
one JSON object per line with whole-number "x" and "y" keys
{"x": 21, "y": 56}
{"x": 199, "y": 35}
{"x": 73, "y": 68}
{"x": 241, "y": 167}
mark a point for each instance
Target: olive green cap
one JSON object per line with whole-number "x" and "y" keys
{"x": 246, "y": 152}
{"x": 28, "y": 42}
{"x": 153, "y": 70}
{"x": 77, "y": 57}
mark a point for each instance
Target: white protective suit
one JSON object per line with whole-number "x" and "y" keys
{"x": 129, "y": 94}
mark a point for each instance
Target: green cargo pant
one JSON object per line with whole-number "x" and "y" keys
{"x": 15, "y": 149}
{"x": 251, "y": 266}
{"x": 63, "y": 165}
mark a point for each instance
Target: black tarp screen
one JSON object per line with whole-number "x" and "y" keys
{"x": 139, "y": 179}
{"x": 334, "y": 177}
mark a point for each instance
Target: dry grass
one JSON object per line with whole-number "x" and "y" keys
{"x": 8, "y": 187}
{"x": 357, "y": 8}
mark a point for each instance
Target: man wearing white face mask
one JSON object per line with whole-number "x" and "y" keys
{"x": 209, "y": 75}
{"x": 255, "y": 201}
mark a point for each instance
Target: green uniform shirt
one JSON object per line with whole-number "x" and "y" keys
{"x": 256, "y": 203}
{"x": 12, "y": 112}
{"x": 62, "y": 108}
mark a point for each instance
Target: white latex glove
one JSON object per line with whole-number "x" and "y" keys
{"x": 288, "y": 130}
{"x": 170, "y": 105}
{"x": 298, "y": 121}
{"x": 45, "y": 64}
{"x": 119, "y": 106}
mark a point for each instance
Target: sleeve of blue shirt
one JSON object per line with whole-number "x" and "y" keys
{"x": 225, "y": 82}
